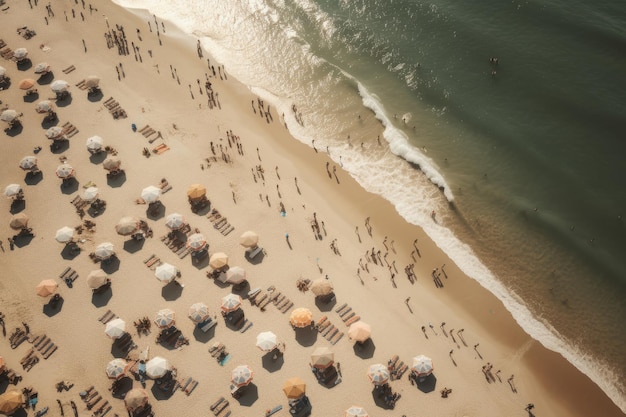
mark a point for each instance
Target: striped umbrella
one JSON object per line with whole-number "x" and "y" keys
{"x": 241, "y": 375}
{"x": 378, "y": 374}
{"x": 117, "y": 368}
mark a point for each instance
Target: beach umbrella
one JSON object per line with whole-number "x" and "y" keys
{"x": 196, "y": 241}
{"x": 64, "y": 234}
{"x": 90, "y": 193}
{"x": 249, "y": 239}
{"x": 241, "y": 376}
{"x": 294, "y": 388}
{"x": 321, "y": 287}
{"x": 355, "y": 411}
{"x": 150, "y": 194}
{"x": 12, "y": 190}
{"x": 266, "y": 341}
{"x": 301, "y": 317}
{"x": 20, "y": 53}
{"x": 196, "y": 191}
{"x": 46, "y": 287}
{"x": 165, "y": 318}
{"x": 157, "y": 367}
{"x": 92, "y": 81}
{"x": 198, "y": 312}
{"x": 11, "y": 401}
{"x": 166, "y": 272}
{"x": 94, "y": 143}
{"x": 104, "y": 251}
{"x": 378, "y": 374}
{"x": 127, "y": 226}
{"x": 235, "y": 275}
{"x": 97, "y": 278}
{"x": 3, "y": 72}
{"x": 112, "y": 162}
{"x": 59, "y": 86}
{"x": 115, "y": 328}
{"x": 117, "y": 368}
{"x": 359, "y": 331}
{"x": 42, "y": 68}
{"x": 9, "y": 115}
{"x": 26, "y": 83}
{"x": 65, "y": 171}
{"x": 28, "y": 162}
{"x": 55, "y": 132}
{"x": 322, "y": 357}
{"x": 136, "y": 398}
{"x": 218, "y": 260}
{"x": 18, "y": 221}
{"x": 174, "y": 221}
{"x": 231, "y": 302}
{"x": 422, "y": 366}
{"x": 44, "y": 106}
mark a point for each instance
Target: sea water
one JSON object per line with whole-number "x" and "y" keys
{"x": 505, "y": 118}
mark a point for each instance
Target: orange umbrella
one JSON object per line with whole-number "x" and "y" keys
{"x": 294, "y": 388}
{"x": 136, "y": 398}
{"x": 359, "y": 331}
{"x": 11, "y": 401}
{"x": 26, "y": 83}
{"x": 301, "y": 317}
{"x": 196, "y": 191}
{"x": 46, "y": 287}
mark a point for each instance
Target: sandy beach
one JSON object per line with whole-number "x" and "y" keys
{"x": 254, "y": 168}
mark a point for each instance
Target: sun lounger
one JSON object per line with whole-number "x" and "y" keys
{"x": 68, "y": 69}
{"x": 246, "y": 325}
{"x": 345, "y": 312}
{"x": 253, "y": 293}
{"x": 220, "y": 407}
{"x": 216, "y": 403}
{"x": 261, "y": 300}
{"x": 321, "y": 321}
{"x": 286, "y": 308}
{"x": 274, "y": 410}
{"x": 191, "y": 387}
{"x": 352, "y": 320}
{"x": 336, "y": 338}
{"x": 401, "y": 370}
{"x": 348, "y": 316}
{"x": 340, "y": 308}
{"x": 328, "y": 330}
{"x": 50, "y": 352}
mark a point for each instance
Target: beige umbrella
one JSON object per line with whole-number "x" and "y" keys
{"x": 92, "y": 81}
{"x": 174, "y": 221}
{"x": 42, "y": 68}
{"x": 97, "y": 278}
{"x": 136, "y": 398}
{"x": 26, "y": 84}
{"x": 64, "y": 234}
{"x": 301, "y": 317}
{"x": 117, "y": 368}
{"x": 18, "y": 221}
{"x": 165, "y": 318}
{"x": 46, "y": 287}
{"x": 422, "y": 366}
{"x": 3, "y": 72}
{"x": 150, "y": 194}
{"x": 196, "y": 241}
{"x": 91, "y": 193}
{"x": 115, "y": 328}
{"x": 378, "y": 374}
{"x": 157, "y": 367}
{"x": 94, "y": 143}
{"x": 218, "y": 260}
{"x": 322, "y": 357}
{"x": 356, "y": 411}
{"x": 28, "y": 162}
{"x": 111, "y": 163}
{"x": 104, "y": 251}
{"x": 235, "y": 275}
{"x": 198, "y": 312}
{"x": 11, "y": 401}
{"x": 9, "y": 115}
{"x": 65, "y": 171}
{"x": 44, "y": 106}
{"x": 321, "y": 287}
{"x": 12, "y": 190}
{"x": 20, "y": 53}
{"x": 59, "y": 86}
{"x": 359, "y": 331}
{"x": 241, "y": 376}
{"x": 55, "y": 133}
{"x": 196, "y": 191}
{"x": 231, "y": 302}
{"x": 294, "y": 388}
{"x": 127, "y": 225}
{"x": 249, "y": 239}
{"x": 166, "y": 272}
{"x": 266, "y": 341}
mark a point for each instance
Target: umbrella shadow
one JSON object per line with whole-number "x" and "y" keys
{"x": 241, "y": 289}
{"x": 123, "y": 385}
{"x": 96, "y": 211}
{"x": 52, "y": 308}
{"x": 257, "y": 259}
{"x": 270, "y": 364}
{"x": 325, "y": 304}
{"x": 65, "y": 101}
{"x": 32, "y": 97}
{"x": 95, "y": 95}
{"x": 46, "y": 78}
{"x": 24, "y": 64}
{"x": 171, "y": 291}
{"x": 110, "y": 265}
{"x": 201, "y": 336}
{"x": 155, "y": 210}
{"x": 20, "y": 413}
{"x": 132, "y": 245}
{"x": 59, "y": 146}
{"x": 70, "y": 251}
{"x": 115, "y": 181}
{"x": 47, "y": 123}
{"x": 249, "y": 396}
{"x": 364, "y": 350}
{"x": 160, "y": 392}
{"x": 200, "y": 263}
{"x": 97, "y": 158}
{"x": 22, "y": 240}
{"x": 14, "y": 130}
{"x": 69, "y": 186}
{"x": 17, "y": 206}
{"x": 427, "y": 384}
{"x": 4, "y": 384}
{"x": 379, "y": 398}
{"x": 101, "y": 299}
{"x": 5, "y": 83}
{"x": 33, "y": 179}
{"x": 306, "y": 336}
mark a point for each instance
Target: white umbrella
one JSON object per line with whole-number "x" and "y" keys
{"x": 44, "y": 106}
{"x": 422, "y": 366}
{"x": 321, "y": 287}
{"x": 150, "y": 194}
{"x": 59, "y": 86}
{"x": 42, "y": 68}
{"x": 92, "y": 81}
{"x": 9, "y": 115}
{"x": 198, "y": 312}
{"x": 94, "y": 143}
{"x": 115, "y": 328}
{"x": 266, "y": 341}
{"x": 175, "y": 221}
{"x": 157, "y": 367}
{"x": 378, "y": 374}
{"x": 166, "y": 272}
{"x": 111, "y": 163}
{"x": 97, "y": 278}
{"x": 236, "y": 275}
{"x": 20, "y": 53}
{"x": 65, "y": 171}
{"x": 165, "y": 318}
{"x": 249, "y": 239}
{"x": 241, "y": 376}
{"x": 90, "y": 193}
{"x": 196, "y": 241}
{"x": 117, "y": 368}
{"x": 359, "y": 331}
{"x": 54, "y": 132}
{"x": 12, "y": 190}
{"x": 64, "y": 234}
{"x": 231, "y": 302}
{"x": 104, "y": 251}
{"x": 356, "y": 411}
{"x": 28, "y": 163}
{"x": 127, "y": 225}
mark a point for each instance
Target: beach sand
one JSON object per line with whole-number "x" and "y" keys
{"x": 151, "y": 96}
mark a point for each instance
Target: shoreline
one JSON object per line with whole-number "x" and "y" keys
{"x": 498, "y": 333}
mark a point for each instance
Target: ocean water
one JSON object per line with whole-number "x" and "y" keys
{"x": 523, "y": 160}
